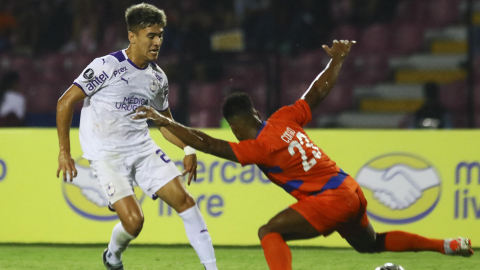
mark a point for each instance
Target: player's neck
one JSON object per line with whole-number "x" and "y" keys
{"x": 138, "y": 60}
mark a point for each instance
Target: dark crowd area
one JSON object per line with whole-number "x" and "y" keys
{"x": 49, "y": 42}
{"x": 33, "y": 27}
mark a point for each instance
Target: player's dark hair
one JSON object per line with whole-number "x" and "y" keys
{"x": 144, "y": 15}
{"x": 237, "y": 104}
{"x": 9, "y": 79}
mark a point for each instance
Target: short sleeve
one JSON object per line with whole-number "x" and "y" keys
{"x": 299, "y": 112}
{"x": 160, "y": 102}
{"x": 94, "y": 77}
{"x": 250, "y": 152}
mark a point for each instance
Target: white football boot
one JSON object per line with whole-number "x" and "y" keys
{"x": 109, "y": 266}
{"x": 458, "y": 246}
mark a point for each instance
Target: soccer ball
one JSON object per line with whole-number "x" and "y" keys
{"x": 389, "y": 266}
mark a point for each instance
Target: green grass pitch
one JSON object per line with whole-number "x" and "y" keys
{"x": 139, "y": 257}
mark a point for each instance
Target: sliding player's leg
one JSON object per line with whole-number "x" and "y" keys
{"x": 365, "y": 240}
{"x": 362, "y": 237}
{"x": 175, "y": 195}
{"x": 287, "y": 225}
{"x": 308, "y": 218}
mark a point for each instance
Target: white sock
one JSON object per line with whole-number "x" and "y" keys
{"x": 118, "y": 243}
{"x": 446, "y": 246}
{"x": 199, "y": 237}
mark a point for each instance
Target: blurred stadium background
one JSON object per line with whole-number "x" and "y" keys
{"x": 268, "y": 48}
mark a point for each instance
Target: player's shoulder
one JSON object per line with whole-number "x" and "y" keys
{"x": 157, "y": 68}
{"x": 159, "y": 73}
{"x": 267, "y": 134}
{"x": 105, "y": 68}
{"x": 281, "y": 113}
{"x": 115, "y": 61}
{"x": 115, "y": 57}
{"x": 109, "y": 61}
{"x": 300, "y": 106}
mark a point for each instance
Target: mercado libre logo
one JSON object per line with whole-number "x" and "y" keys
{"x": 86, "y": 198}
{"x": 400, "y": 188}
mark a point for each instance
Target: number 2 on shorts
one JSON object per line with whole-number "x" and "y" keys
{"x": 163, "y": 156}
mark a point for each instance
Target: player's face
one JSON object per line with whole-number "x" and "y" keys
{"x": 243, "y": 129}
{"x": 148, "y": 42}
{"x": 236, "y": 132}
{"x": 239, "y": 130}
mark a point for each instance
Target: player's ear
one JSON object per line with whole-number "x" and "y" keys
{"x": 257, "y": 113}
{"x": 132, "y": 37}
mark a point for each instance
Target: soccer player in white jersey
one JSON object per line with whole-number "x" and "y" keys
{"x": 120, "y": 149}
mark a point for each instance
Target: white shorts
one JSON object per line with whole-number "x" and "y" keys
{"x": 150, "y": 170}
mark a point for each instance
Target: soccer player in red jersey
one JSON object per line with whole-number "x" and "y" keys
{"x": 328, "y": 198}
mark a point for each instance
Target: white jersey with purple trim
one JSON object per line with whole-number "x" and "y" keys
{"x": 115, "y": 87}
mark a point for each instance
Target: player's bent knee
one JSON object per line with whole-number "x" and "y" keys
{"x": 262, "y": 231}
{"x": 183, "y": 204}
{"x": 133, "y": 224}
{"x": 375, "y": 247}
{"x": 189, "y": 201}
{"x": 379, "y": 244}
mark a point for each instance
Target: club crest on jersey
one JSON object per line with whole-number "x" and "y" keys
{"x": 88, "y": 74}
{"x": 153, "y": 85}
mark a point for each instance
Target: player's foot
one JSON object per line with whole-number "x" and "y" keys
{"x": 458, "y": 246}
{"x": 108, "y": 266}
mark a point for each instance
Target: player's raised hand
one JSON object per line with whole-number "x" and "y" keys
{"x": 340, "y": 49}
{"x": 147, "y": 112}
{"x": 67, "y": 165}
{"x": 190, "y": 165}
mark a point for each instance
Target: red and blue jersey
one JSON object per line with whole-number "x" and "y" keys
{"x": 287, "y": 156}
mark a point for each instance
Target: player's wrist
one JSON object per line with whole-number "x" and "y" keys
{"x": 339, "y": 57}
{"x": 64, "y": 152}
{"x": 189, "y": 150}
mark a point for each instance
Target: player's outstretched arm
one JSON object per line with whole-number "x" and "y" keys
{"x": 190, "y": 160}
{"x": 64, "y": 119}
{"x": 189, "y": 136}
{"x": 325, "y": 81}
{"x": 168, "y": 135}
